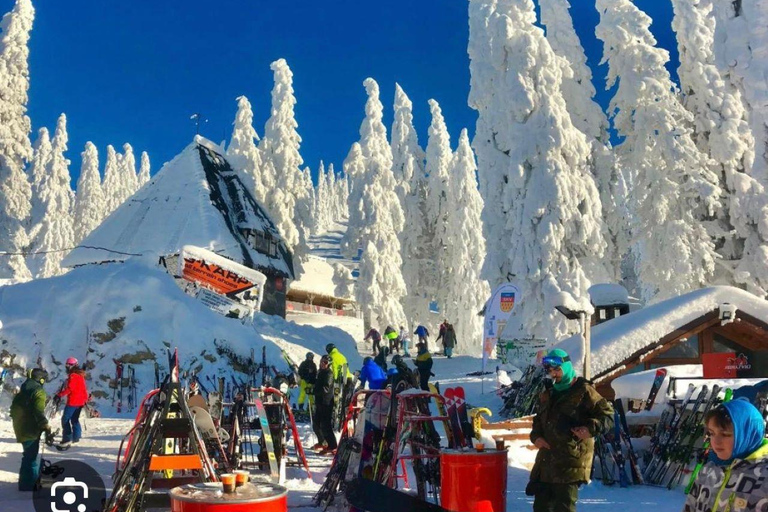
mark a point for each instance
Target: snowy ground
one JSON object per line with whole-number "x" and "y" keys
{"x": 102, "y": 438}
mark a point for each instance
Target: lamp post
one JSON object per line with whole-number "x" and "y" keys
{"x": 584, "y": 327}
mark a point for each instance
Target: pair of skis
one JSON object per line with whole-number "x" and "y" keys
{"x": 462, "y": 431}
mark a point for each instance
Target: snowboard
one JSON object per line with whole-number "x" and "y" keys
{"x": 197, "y": 401}
{"x": 338, "y": 397}
{"x": 274, "y": 471}
{"x": 214, "y": 406}
{"x": 661, "y": 373}
{"x": 440, "y": 402}
{"x": 209, "y": 434}
{"x": 368, "y": 495}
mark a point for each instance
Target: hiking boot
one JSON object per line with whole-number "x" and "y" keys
{"x": 328, "y": 451}
{"x": 318, "y": 446}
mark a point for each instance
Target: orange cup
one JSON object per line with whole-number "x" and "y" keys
{"x": 228, "y": 481}
{"x": 241, "y": 478}
{"x": 480, "y": 447}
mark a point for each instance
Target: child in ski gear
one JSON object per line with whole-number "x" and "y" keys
{"x": 381, "y": 358}
{"x": 29, "y": 422}
{"x": 77, "y": 395}
{"x": 375, "y": 338}
{"x": 424, "y": 365}
{"x": 307, "y": 377}
{"x": 372, "y": 374}
{"x": 449, "y": 340}
{"x": 324, "y": 398}
{"x": 422, "y": 333}
{"x": 571, "y": 413}
{"x": 735, "y": 475}
{"x": 391, "y": 334}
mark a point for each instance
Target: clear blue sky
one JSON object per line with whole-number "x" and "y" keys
{"x": 135, "y": 71}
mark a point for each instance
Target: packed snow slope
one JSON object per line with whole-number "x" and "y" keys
{"x": 133, "y": 312}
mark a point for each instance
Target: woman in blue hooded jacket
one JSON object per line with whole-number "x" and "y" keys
{"x": 372, "y": 374}
{"x": 735, "y": 477}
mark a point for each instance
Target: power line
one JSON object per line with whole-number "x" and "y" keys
{"x": 25, "y": 253}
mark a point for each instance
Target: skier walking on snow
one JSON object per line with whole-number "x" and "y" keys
{"x": 29, "y": 422}
{"x": 449, "y": 340}
{"x": 324, "y": 408}
{"x": 372, "y": 374}
{"x": 441, "y": 333}
{"x": 404, "y": 341}
{"x": 422, "y": 333}
{"x": 307, "y": 378}
{"x": 571, "y": 413}
{"x": 375, "y": 337}
{"x": 739, "y": 453}
{"x": 77, "y": 396}
{"x": 424, "y": 365}
{"x": 391, "y": 334}
{"x": 381, "y": 358}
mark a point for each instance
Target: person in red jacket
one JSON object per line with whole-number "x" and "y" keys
{"x": 77, "y": 396}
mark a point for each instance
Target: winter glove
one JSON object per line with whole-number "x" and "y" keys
{"x": 56, "y": 401}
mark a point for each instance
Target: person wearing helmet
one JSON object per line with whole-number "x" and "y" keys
{"x": 424, "y": 365}
{"x": 391, "y": 334}
{"x": 337, "y": 361}
{"x": 381, "y": 358}
{"x": 375, "y": 337}
{"x": 403, "y": 372}
{"x": 307, "y": 378}
{"x": 372, "y": 374}
{"x": 324, "y": 398}
{"x": 77, "y": 395}
{"x": 29, "y": 422}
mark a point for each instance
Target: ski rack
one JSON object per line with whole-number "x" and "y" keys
{"x": 410, "y": 420}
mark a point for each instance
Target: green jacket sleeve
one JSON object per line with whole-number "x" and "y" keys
{"x": 600, "y": 415}
{"x": 38, "y": 410}
{"x": 536, "y": 430}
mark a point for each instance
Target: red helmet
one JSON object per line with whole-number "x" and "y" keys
{"x": 71, "y": 361}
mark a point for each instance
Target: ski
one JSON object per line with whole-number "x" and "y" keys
{"x": 661, "y": 373}
{"x": 461, "y": 411}
{"x": 450, "y": 401}
{"x": 617, "y": 451}
{"x": 443, "y": 412}
{"x": 267, "y": 435}
{"x": 637, "y": 475}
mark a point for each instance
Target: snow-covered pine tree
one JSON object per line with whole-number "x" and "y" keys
{"x": 464, "y": 292}
{"x": 588, "y": 116}
{"x": 380, "y": 287}
{"x": 89, "y": 200}
{"x": 112, "y": 185}
{"x": 541, "y": 206}
{"x": 54, "y": 234}
{"x": 721, "y": 130}
{"x": 15, "y": 147}
{"x": 673, "y": 186}
{"x": 343, "y": 281}
{"x": 38, "y": 168}
{"x": 408, "y": 167}
{"x": 243, "y": 153}
{"x": 740, "y": 49}
{"x": 342, "y": 185}
{"x": 128, "y": 171}
{"x": 321, "y": 214}
{"x": 333, "y": 197}
{"x": 144, "y": 169}
{"x": 280, "y": 150}
{"x": 355, "y": 172}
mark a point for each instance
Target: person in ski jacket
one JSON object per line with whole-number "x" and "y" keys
{"x": 337, "y": 360}
{"x": 324, "y": 398}
{"x": 403, "y": 372}
{"x": 381, "y": 358}
{"x": 77, "y": 396}
{"x": 29, "y": 422}
{"x": 441, "y": 332}
{"x": 307, "y": 377}
{"x": 405, "y": 341}
{"x": 422, "y": 333}
{"x": 372, "y": 374}
{"x": 391, "y": 334}
{"x": 423, "y": 365}
{"x": 735, "y": 477}
{"x": 449, "y": 340}
{"x": 375, "y": 337}
{"x": 571, "y": 413}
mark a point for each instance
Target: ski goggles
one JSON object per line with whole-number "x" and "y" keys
{"x": 550, "y": 362}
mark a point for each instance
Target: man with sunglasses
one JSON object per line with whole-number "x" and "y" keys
{"x": 571, "y": 413}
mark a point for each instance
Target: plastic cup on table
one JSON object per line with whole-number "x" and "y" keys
{"x": 241, "y": 478}
{"x": 228, "y": 481}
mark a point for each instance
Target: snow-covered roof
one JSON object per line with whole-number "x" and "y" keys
{"x": 614, "y": 341}
{"x": 317, "y": 278}
{"x": 195, "y": 199}
{"x": 608, "y": 294}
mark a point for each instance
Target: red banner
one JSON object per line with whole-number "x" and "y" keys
{"x": 218, "y": 279}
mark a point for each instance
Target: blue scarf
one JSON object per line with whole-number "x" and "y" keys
{"x": 568, "y": 372}
{"x": 748, "y": 430}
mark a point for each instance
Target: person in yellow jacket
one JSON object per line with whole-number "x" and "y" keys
{"x": 735, "y": 478}
{"x": 337, "y": 361}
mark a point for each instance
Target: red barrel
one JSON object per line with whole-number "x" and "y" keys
{"x": 473, "y": 481}
{"x": 208, "y": 497}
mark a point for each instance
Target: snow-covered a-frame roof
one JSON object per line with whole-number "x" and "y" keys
{"x": 635, "y": 336}
{"x": 196, "y": 199}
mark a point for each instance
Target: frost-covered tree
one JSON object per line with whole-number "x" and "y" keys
{"x": 588, "y": 117}
{"x": 89, "y": 200}
{"x": 380, "y": 287}
{"x": 38, "y": 169}
{"x": 54, "y": 234}
{"x": 354, "y": 169}
{"x": 243, "y": 153}
{"x": 438, "y": 166}
{"x": 334, "y": 211}
{"x": 15, "y": 147}
{"x": 721, "y": 130}
{"x": 280, "y": 151}
{"x": 673, "y": 185}
{"x": 128, "y": 171}
{"x": 408, "y": 167}
{"x": 464, "y": 292}
{"x": 740, "y": 49}
{"x": 342, "y": 186}
{"x": 144, "y": 169}
{"x": 541, "y": 209}
{"x": 343, "y": 281}
{"x": 321, "y": 212}
{"x": 112, "y": 185}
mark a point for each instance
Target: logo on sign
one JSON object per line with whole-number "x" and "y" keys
{"x": 507, "y": 301}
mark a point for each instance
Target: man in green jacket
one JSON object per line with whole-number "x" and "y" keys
{"x": 571, "y": 413}
{"x": 29, "y": 421}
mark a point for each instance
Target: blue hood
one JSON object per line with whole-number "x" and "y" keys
{"x": 748, "y": 430}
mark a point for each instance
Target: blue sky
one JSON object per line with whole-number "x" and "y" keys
{"x": 135, "y": 71}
